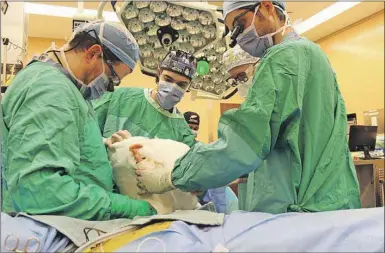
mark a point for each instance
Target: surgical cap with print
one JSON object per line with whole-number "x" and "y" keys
{"x": 116, "y": 38}
{"x": 180, "y": 62}
{"x": 235, "y": 5}
{"x": 236, "y": 57}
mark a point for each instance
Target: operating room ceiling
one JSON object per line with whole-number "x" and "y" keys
{"x": 61, "y": 28}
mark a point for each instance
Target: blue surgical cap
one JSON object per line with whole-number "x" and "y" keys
{"x": 116, "y": 38}
{"x": 232, "y": 6}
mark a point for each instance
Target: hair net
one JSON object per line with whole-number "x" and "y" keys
{"x": 231, "y": 6}
{"x": 180, "y": 62}
{"x": 116, "y": 38}
{"x": 235, "y": 57}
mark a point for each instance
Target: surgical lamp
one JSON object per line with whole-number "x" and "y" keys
{"x": 197, "y": 28}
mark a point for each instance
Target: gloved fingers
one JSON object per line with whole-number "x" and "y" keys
{"x": 113, "y": 139}
{"x": 142, "y": 189}
{"x": 124, "y": 134}
{"x": 134, "y": 149}
{"x": 139, "y": 172}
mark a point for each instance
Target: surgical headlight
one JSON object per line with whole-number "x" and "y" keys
{"x": 238, "y": 29}
{"x": 238, "y": 26}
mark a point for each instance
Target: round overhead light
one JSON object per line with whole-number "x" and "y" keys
{"x": 174, "y": 10}
{"x": 190, "y": 14}
{"x": 184, "y": 36}
{"x": 215, "y": 67}
{"x": 134, "y": 25}
{"x": 150, "y": 63}
{"x": 141, "y": 38}
{"x": 220, "y": 58}
{"x": 151, "y": 29}
{"x": 205, "y": 18}
{"x": 187, "y": 47}
{"x": 152, "y": 39}
{"x": 220, "y": 47}
{"x": 208, "y": 86}
{"x": 209, "y": 32}
{"x": 197, "y": 41}
{"x": 211, "y": 57}
{"x": 178, "y": 23}
{"x": 131, "y": 12}
{"x": 162, "y": 19}
{"x": 174, "y": 46}
{"x": 197, "y": 83}
{"x": 142, "y": 4}
{"x": 160, "y": 53}
{"x": 219, "y": 89}
{"x": 217, "y": 78}
{"x": 194, "y": 27}
{"x": 158, "y": 6}
{"x": 146, "y": 51}
{"x": 146, "y": 15}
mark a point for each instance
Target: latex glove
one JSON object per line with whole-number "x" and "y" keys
{"x": 116, "y": 137}
{"x": 152, "y": 176}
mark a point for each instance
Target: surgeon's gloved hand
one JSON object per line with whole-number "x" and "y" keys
{"x": 142, "y": 208}
{"x": 152, "y": 176}
{"x": 116, "y": 137}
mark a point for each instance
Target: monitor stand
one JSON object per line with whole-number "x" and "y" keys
{"x": 366, "y": 153}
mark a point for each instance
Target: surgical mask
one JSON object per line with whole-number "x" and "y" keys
{"x": 243, "y": 87}
{"x": 169, "y": 94}
{"x": 195, "y": 133}
{"x": 257, "y": 45}
{"x": 96, "y": 88}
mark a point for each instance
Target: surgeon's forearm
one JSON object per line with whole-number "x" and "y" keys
{"x": 57, "y": 194}
{"x": 214, "y": 165}
{"x": 124, "y": 207}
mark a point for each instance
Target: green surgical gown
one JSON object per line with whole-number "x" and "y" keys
{"x": 134, "y": 110}
{"x": 54, "y": 160}
{"x": 289, "y": 135}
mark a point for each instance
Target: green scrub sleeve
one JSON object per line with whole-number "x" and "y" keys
{"x": 101, "y": 107}
{"x": 245, "y": 135}
{"x": 44, "y": 151}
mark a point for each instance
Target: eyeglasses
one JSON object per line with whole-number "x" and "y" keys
{"x": 115, "y": 80}
{"x": 242, "y": 77}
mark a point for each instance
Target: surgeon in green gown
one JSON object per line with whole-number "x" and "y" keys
{"x": 151, "y": 112}
{"x": 54, "y": 159}
{"x": 289, "y": 135}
